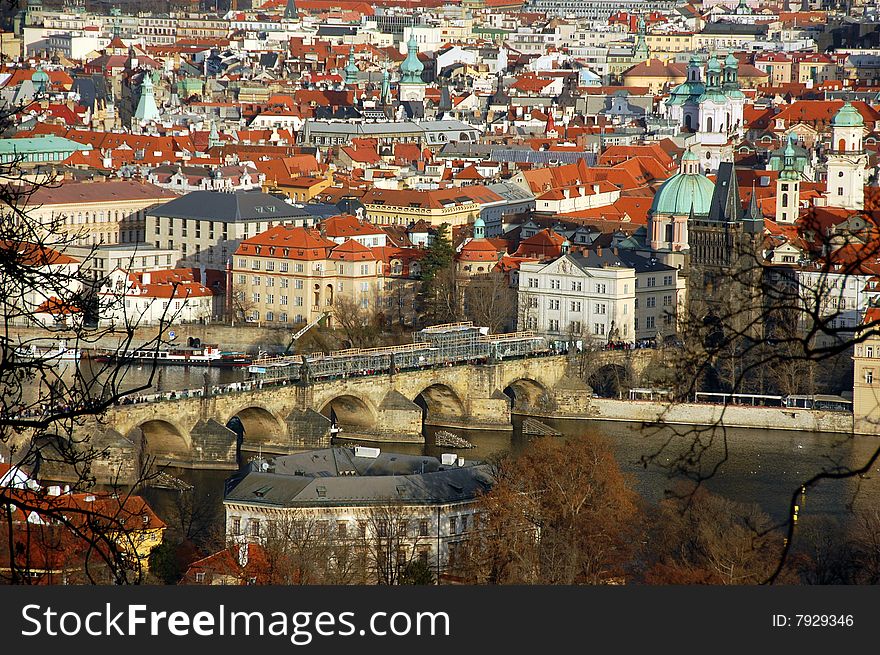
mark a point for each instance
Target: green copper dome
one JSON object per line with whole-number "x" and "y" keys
{"x": 848, "y": 116}
{"x": 731, "y": 61}
{"x": 714, "y": 64}
{"x": 684, "y": 191}
{"x": 411, "y": 68}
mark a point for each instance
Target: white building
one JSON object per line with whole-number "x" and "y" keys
{"x": 171, "y": 297}
{"x": 578, "y": 294}
{"x": 206, "y": 227}
{"x": 359, "y": 498}
{"x": 609, "y": 296}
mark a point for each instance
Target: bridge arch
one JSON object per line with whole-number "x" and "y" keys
{"x": 439, "y": 400}
{"x": 611, "y": 381}
{"x": 161, "y": 438}
{"x": 351, "y": 413}
{"x": 261, "y": 426}
{"x": 526, "y": 393}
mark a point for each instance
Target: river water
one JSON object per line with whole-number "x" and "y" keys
{"x": 762, "y": 466}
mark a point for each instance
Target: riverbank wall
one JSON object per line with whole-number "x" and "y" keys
{"x": 244, "y": 337}
{"x": 703, "y": 415}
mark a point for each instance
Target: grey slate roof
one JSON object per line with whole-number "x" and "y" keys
{"x": 335, "y": 476}
{"x": 228, "y": 207}
{"x": 726, "y": 206}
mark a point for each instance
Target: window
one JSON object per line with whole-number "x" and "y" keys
{"x": 598, "y": 328}
{"x": 649, "y": 322}
{"x": 382, "y": 528}
{"x": 283, "y": 300}
{"x": 365, "y": 269}
{"x": 236, "y": 525}
{"x": 869, "y": 351}
{"x": 576, "y": 286}
{"x": 270, "y": 266}
{"x": 452, "y": 524}
{"x": 600, "y": 308}
{"x": 552, "y": 304}
{"x": 298, "y": 268}
{"x": 600, "y": 288}
{"x": 255, "y": 527}
{"x": 270, "y": 298}
{"x": 574, "y": 327}
{"x": 270, "y": 316}
{"x": 667, "y": 280}
{"x": 652, "y": 281}
{"x": 402, "y": 528}
{"x": 200, "y": 576}
{"x": 464, "y": 523}
{"x": 423, "y": 528}
{"x": 270, "y": 281}
{"x": 256, "y": 297}
{"x": 651, "y": 301}
{"x": 342, "y": 529}
{"x": 667, "y": 300}
{"x": 256, "y": 280}
{"x": 242, "y": 279}
{"x": 298, "y": 284}
{"x": 575, "y": 306}
{"x": 533, "y": 282}
{"x": 869, "y": 376}
{"x": 553, "y": 325}
{"x": 555, "y": 284}
{"x": 283, "y": 317}
{"x": 283, "y": 267}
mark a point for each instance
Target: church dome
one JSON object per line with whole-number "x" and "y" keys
{"x": 411, "y": 68}
{"x": 684, "y": 192}
{"x": 848, "y": 116}
{"x": 731, "y": 61}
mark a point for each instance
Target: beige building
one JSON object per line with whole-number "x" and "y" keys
{"x": 866, "y": 378}
{"x": 101, "y": 212}
{"x": 289, "y": 275}
{"x": 457, "y": 206}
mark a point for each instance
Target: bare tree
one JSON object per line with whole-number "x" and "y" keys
{"x": 489, "y": 301}
{"x": 50, "y": 306}
{"x": 359, "y": 324}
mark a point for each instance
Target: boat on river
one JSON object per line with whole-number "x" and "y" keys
{"x": 54, "y": 355}
{"x": 201, "y": 355}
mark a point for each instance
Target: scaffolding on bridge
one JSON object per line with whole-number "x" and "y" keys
{"x": 439, "y": 345}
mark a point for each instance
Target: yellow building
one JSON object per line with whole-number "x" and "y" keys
{"x": 670, "y": 43}
{"x": 456, "y": 206}
{"x": 299, "y": 189}
{"x": 656, "y": 75}
{"x": 288, "y": 275}
{"x": 866, "y": 377}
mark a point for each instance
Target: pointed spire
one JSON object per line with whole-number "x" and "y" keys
{"x": 290, "y": 10}
{"x": 753, "y": 212}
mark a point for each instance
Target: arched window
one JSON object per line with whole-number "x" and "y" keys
{"x": 785, "y": 200}
{"x": 841, "y": 145}
{"x": 709, "y": 124}
{"x": 687, "y": 122}
{"x": 669, "y": 232}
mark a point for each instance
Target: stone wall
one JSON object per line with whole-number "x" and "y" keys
{"x": 732, "y": 416}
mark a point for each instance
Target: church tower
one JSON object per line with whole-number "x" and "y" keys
{"x": 788, "y": 186}
{"x": 847, "y": 160}
{"x": 726, "y": 259}
{"x": 411, "y": 86}
{"x": 351, "y": 70}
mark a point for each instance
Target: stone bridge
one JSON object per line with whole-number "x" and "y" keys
{"x": 204, "y": 432}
